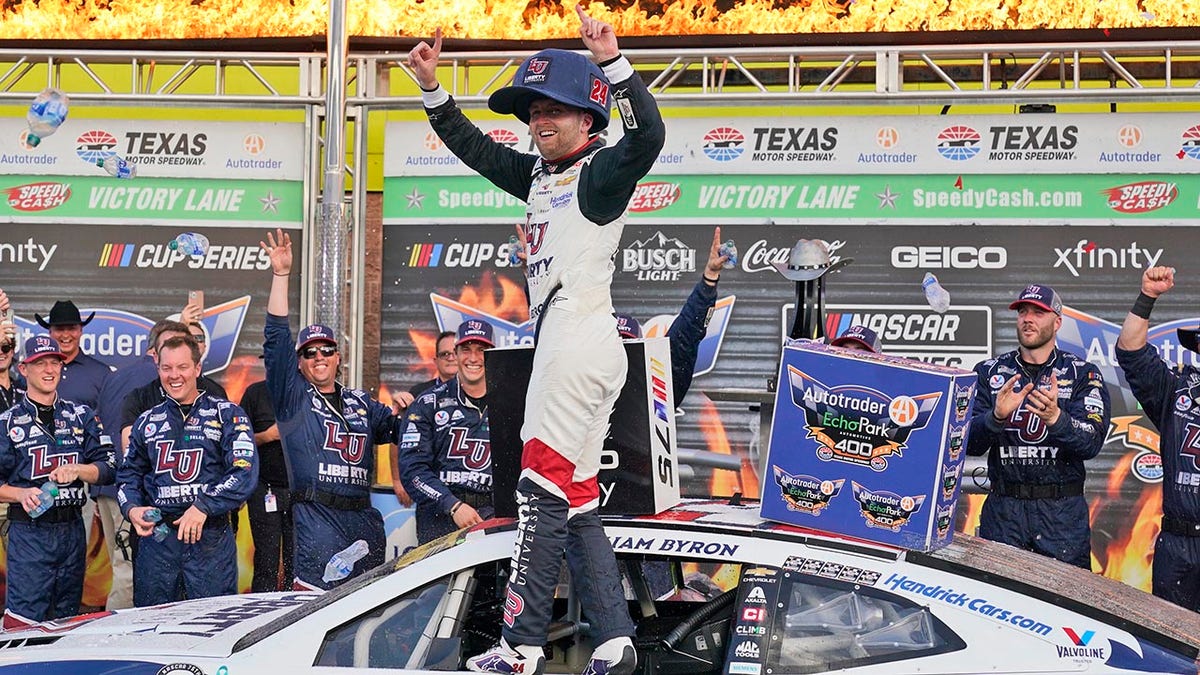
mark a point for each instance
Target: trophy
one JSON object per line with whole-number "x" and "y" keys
{"x": 808, "y": 265}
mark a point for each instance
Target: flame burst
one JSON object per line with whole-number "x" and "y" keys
{"x": 725, "y": 483}
{"x": 543, "y": 19}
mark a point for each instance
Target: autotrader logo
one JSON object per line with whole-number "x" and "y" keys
{"x": 723, "y": 144}
{"x": 958, "y": 143}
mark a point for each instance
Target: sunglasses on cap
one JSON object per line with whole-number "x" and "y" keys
{"x": 311, "y": 352}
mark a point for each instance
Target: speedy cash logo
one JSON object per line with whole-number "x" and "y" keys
{"x": 1141, "y": 197}
{"x": 653, "y": 196}
{"x": 958, "y": 143}
{"x": 33, "y": 197}
{"x": 723, "y": 144}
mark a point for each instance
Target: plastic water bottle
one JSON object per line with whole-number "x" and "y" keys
{"x": 162, "y": 530}
{"x": 514, "y": 247}
{"x": 729, "y": 249}
{"x": 938, "y": 297}
{"x": 191, "y": 243}
{"x": 45, "y": 499}
{"x": 118, "y": 167}
{"x": 46, "y": 114}
{"x": 342, "y": 562}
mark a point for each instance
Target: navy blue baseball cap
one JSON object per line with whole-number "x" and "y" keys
{"x": 315, "y": 333}
{"x": 628, "y": 327}
{"x": 40, "y": 346}
{"x": 475, "y": 330}
{"x": 1039, "y": 296}
{"x": 566, "y": 77}
{"x": 860, "y": 335}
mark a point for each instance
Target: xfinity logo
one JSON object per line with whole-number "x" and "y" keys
{"x": 28, "y": 252}
{"x": 1087, "y": 255}
{"x": 949, "y": 257}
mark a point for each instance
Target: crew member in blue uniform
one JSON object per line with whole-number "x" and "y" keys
{"x": 1039, "y": 414}
{"x": 1171, "y": 400}
{"x": 45, "y": 437}
{"x": 82, "y": 375}
{"x": 192, "y": 457}
{"x": 445, "y": 449}
{"x": 329, "y": 434}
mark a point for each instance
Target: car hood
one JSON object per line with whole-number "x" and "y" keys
{"x": 204, "y": 628}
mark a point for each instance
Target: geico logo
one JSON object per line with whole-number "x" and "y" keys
{"x": 912, "y": 327}
{"x": 469, "y": 255}
{"x": 160, "y": 256}
{"x": 950, "y": 257}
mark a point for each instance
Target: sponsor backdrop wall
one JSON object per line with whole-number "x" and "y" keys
{"x": 72, "y": 232}
{"x": 979, "y": 201}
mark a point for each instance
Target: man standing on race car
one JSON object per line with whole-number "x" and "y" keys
{"x": 1171, "y": 399}
{"x": 47, "y": 438}
{"x": 329, "y": 433}
{"x": 192, "y": 457}
{"x": 445, "y": 449}
{"x": 1039, "y": 413}
{"x": 577, "y": 193}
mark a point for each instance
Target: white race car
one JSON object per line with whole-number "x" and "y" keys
{"x": 713, "y": 590}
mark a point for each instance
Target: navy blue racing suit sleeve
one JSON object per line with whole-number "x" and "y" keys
{"x": 98, "y": 449}
{"x": 383, "y": 423}
{"x": 685, "y": 334}
{"x": 418, "y": 457}
{"x": 1152, "y": 382}
{"x": 986, "y": 431}
{"x": 134, "y": 465}
{"x": 8, "y": 454}
{"x": 1082, "y": 423}
{"x": 283, "y": 375}
{"x": 611, "y": 178}
{"x": 240, "y": 459}
{"x": 507, "y": 169}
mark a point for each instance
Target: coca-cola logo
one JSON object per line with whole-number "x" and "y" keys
{"x": 761, "y": 255}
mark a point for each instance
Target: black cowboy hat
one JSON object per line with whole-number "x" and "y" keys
{"x": 64, "y": 313}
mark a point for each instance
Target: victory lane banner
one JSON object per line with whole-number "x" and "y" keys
{"x": 821, "y": 198}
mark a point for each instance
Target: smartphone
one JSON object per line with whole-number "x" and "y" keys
{"x": 196, "y": 298}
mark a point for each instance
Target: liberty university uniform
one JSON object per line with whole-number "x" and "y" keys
{"x": 46, "y": 555}
{"x": 1171, "y": 399}
{"x": 201, "y": 455}
{"x": 575, "y": 214}
{"x": 331, "y": 460}
{"x": 445, "y": 457}
{"x": 1037, "y": 472}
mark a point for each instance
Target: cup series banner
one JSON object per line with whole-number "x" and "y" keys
{"x": 984, "y": 229}
{"x": 70, "y": 231}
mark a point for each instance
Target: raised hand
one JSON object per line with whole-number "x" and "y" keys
{"x": 598, "y": 36}
{"x": 279, "y": 250}
{"x": 1158, "y": 280}
{"x": 423, "y": 59}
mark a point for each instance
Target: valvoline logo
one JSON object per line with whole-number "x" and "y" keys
{"x": 958, "y": 143}
{"x": 117, "y": 337}
{"x": 723, "y": 144}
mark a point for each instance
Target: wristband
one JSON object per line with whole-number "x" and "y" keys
{"x": 1142, "y": 306}
{"x": 285, "y": 274}
{"x": 710, "y": 282}
{"x": 454, "y": 509}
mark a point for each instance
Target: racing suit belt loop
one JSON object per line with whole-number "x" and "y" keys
{"x": 56, "y": 514}
{"x": 1179, "y": 526}
{"x": 339, "y": 502}
{"x": 1034, "y": 491}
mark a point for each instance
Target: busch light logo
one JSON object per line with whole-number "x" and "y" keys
{"x": 958, "y": 143}
{"x": 806, "y": 494}
{"x": 885, "y": 510}
{"x": 723, "y": 144}
{"x": 856, "y": 424}
{"x": 118, "y": 337}
{"x": 658, "y": 258}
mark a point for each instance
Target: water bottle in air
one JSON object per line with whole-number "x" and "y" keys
{"x": 46, "y": 114}
{"x": 729, "y": 249}
{"x": 191, "y": 243}
{"x": 938, "y": 297}
{"x": 514, "y": 247}
{"x": 162, "y": 530}
{"x": 342, "y": 563}
{"x": 117, "y": 167}
{"x": 45, "y": 499}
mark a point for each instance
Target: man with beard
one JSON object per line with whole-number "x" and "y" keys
{"x": 1171, "y": 399}
{"x": 1039, "y": 413}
